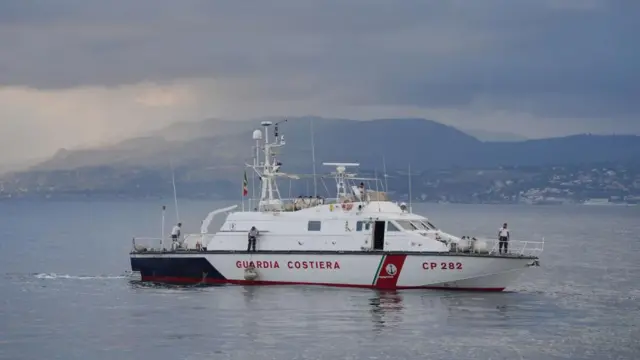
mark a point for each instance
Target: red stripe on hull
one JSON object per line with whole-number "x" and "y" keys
{"x": 389, "y": 272}
{"x": 185, "y": 280}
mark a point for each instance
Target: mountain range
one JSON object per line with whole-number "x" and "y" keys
{"x": 212, "y": 153}
{"x": 497, "y": 136}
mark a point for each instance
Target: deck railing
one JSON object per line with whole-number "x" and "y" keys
{"x": 143, "y": 244}
{"x": 514, "y": 247}
{"x": 517, "y": 247}
{"x": 294, "y": 204}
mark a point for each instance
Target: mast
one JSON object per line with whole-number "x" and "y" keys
{"x": 267, "y": 170}
{"x": 175, "y": 194}
{"x": 375, "y": 175}
{"x": 384, "y": 168}
{"x": 313, "y": 160}
{"x": 257, "y": 136}
{"x": 265, "y": 190}
{"x": 162, "y": 233}
{"x": 340, "y": 176}
{"x": 410, "y": 208}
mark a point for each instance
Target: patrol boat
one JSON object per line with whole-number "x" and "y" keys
{"x": 358, "y": 239}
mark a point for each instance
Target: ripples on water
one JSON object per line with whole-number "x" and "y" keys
{"x": 581, "y": 304}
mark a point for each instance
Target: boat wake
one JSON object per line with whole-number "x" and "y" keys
{"x": 54, "y": 276}
{"x": 131, "y": 278}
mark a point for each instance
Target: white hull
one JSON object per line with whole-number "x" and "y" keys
{"x": 362, "y": 269}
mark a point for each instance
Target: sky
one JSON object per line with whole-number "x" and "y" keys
{"x": 77, "y": 73}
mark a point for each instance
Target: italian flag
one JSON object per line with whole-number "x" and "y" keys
{"x": 245, "y": 183}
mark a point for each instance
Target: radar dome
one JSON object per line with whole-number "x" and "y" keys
{"x": 257, "y": 135}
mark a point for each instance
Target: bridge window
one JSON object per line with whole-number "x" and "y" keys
{"x": 391, "y": 226}
{"x": 420, "y": 225}
{"x": 359, "y": 226}
{"x": 406, "y": 224}
{"x": 431, "y": 225}
{"x": 314, "y": 226}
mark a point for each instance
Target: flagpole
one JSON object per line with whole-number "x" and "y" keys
{"x": 245, "y": 190}
{"x": 245, "y": 174}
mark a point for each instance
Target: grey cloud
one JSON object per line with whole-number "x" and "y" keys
{"x": 556, "y": 58}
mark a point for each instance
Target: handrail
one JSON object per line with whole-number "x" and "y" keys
{"x": 519, "y": 247}
{"x": 142, "y": 244}
{"x": 514, "y": 247}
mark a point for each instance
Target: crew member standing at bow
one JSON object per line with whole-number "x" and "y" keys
{"x": 503, "y": 238}
{"x": 175, "y": 234}
{"x": 253, "y": 234}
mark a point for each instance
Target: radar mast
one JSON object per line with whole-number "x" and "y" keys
{"x": 268, "y": 169}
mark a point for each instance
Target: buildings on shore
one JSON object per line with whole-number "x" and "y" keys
{"x": 614, "y": 184}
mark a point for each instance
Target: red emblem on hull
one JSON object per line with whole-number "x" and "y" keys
{"x": 389, "y": 271}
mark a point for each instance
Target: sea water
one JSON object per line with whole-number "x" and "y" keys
{"x": 66, "y": 293}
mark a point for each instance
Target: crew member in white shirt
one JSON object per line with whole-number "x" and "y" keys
{"x": 503, "y": 239}
{"x": 175, "y": 234}
{"x": 253, "y": 234}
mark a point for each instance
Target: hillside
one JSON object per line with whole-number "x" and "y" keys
{"x": 497, "y": 136}
{"x": 208, "y": 156}
{"x": 212, "y": 143}
{"x": 569, "y": 150}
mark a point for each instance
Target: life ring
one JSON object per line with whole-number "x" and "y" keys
{"x": 347, "y": 206}
{"x": 250, "y": 273}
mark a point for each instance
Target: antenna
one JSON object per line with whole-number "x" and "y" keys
{"x": 162, "y": 236}
{"x": 313, "y": 159}
{"x": 340, "y": 176}
{"x": 242, "y": 193}
{"x": 375, "y": 175}
{"x": 410, "y": 208}
{"x": 275, "y": 128}
{"x": 175, "y": 195}
{"x": 384, "y": 167}
{"x": 257, "y": 136}
{"x": 253, "y": 186}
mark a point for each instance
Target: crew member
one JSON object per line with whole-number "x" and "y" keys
{"x": 361, "y": 189}
{"x": 253, "y": 234}
{"x": 175, "y": 234}
{"x": 503, "y": 239}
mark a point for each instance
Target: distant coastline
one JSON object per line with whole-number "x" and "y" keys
{"x": 447, "y": 165}
{"x": 168, "y": 199}
{"x": 591, "y": 185}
